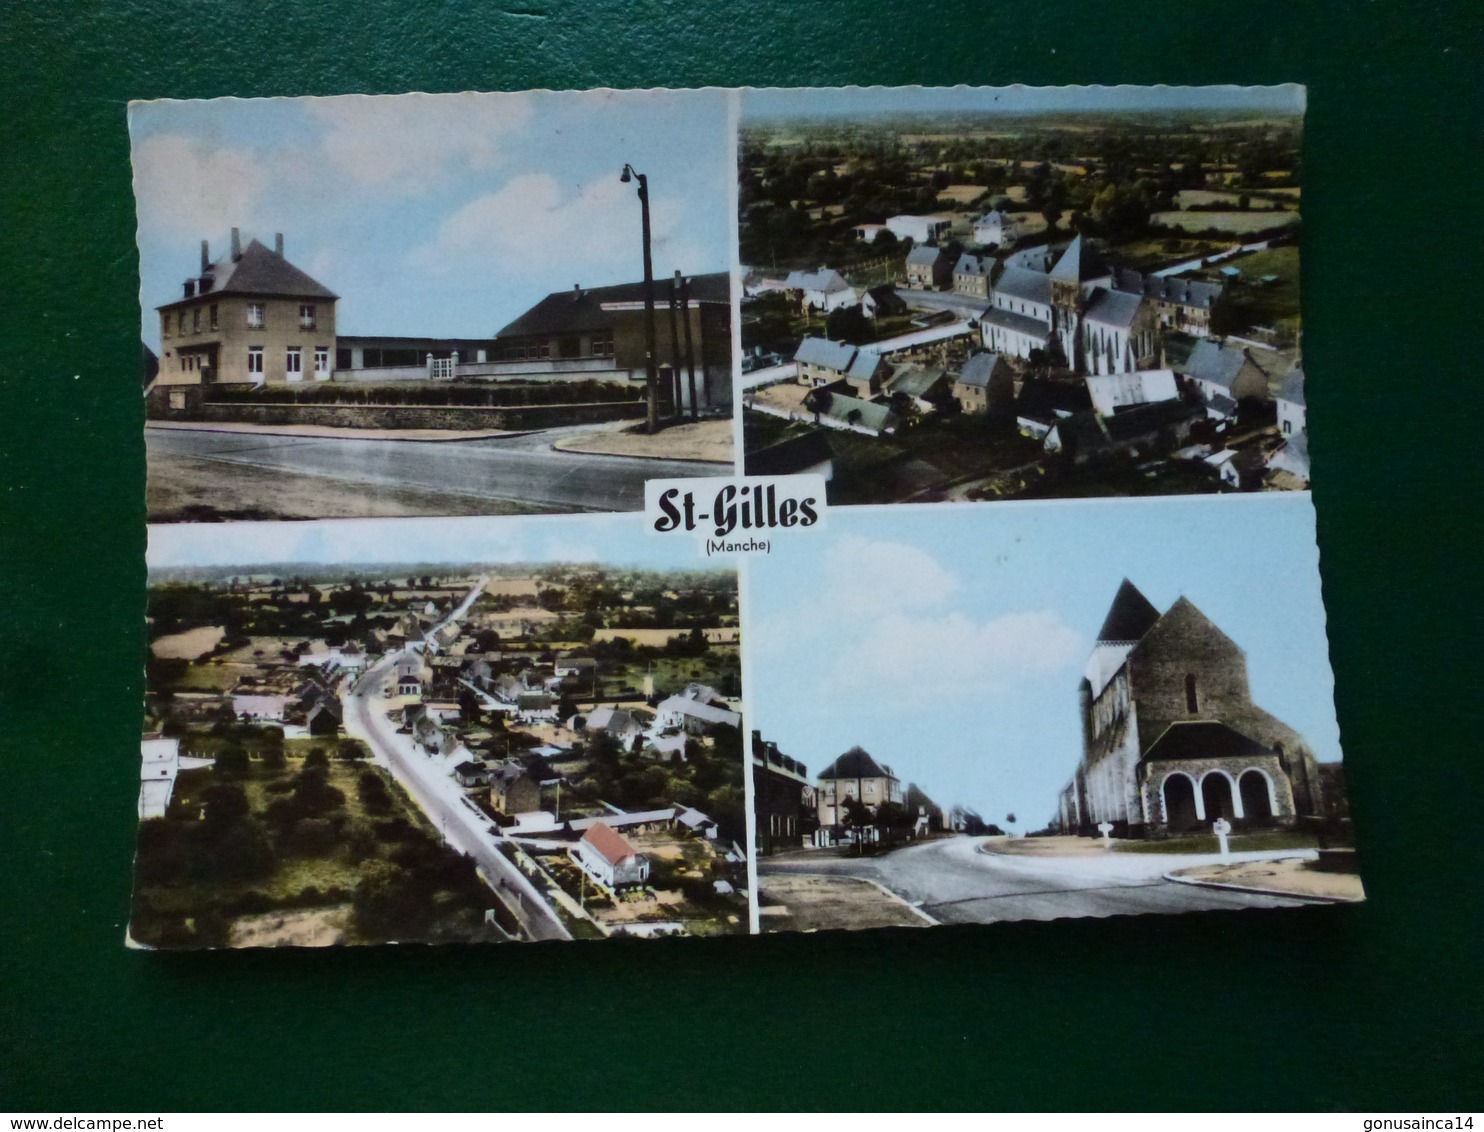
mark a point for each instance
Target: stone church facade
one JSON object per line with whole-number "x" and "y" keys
{"x": 1171, "y": 738}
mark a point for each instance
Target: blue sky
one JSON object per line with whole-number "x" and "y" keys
{"x": 435, "y": 214}
{"x": 609, "y": 540}
{"x": 950, "y": 642}
{"x": 856, "y": 102}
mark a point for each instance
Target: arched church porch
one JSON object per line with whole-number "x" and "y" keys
{"x": 1187, "y": 795}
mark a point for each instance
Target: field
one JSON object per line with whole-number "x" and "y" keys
{"x": 189, "y": 645}
{"x": 1187, "y": 197}
{"x": 1276, "y": 304}
{"x": 1240, "y": 223}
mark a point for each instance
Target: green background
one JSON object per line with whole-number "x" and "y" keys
{"x": 1358, "y": 1008}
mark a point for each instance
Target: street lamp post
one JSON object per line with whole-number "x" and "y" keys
{"x": 650, "y": 374}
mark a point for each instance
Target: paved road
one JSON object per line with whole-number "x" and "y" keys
{"x": 953, "y": 882}
{"x": 436, "y": 793}
{"x": 523, "y": 469}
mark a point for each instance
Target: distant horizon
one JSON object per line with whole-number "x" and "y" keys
{"x": 782, "y": 104}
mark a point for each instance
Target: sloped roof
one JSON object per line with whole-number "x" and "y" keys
{"x": 863, "y": 366}
{"x": 1292, "y": 389}
{"x": 1212, "y": 362}
{"x": 567, "y": 312}
{"x": 609, "y": 843}
{"x": 1020, "y": 323}
{"x": 826, "y": 279}
{"x": 1113, "y": 308}
{"x": 855, "y": 763}
{"x": 969, "y": 264}
{"x": 925, "y": 255}
{"x": 1170, "y": 289}
{"x": 700, "y": 710}
{"x": 1023, "y": 283}
{"x": 978, "y": 370}
{"x": 825, "y": 352}
{"x": 1204, "y": 739}
{"x": 1078, "y": 263}
{"x": 993, "y": 216}
{"x": 868, "y": 414}
{"x": 1038, "y": 258}
{"x": 915, "y": 381}
{"x": 259, "y": 271}
{"x": 1130, "y": 616}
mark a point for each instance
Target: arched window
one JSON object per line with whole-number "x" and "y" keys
{"x": 1192, "y": 701}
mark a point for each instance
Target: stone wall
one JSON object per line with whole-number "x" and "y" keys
{"x": 520, "y": 417}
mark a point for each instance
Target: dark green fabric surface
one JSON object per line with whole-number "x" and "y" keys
{"x": 1331, "y": 1008}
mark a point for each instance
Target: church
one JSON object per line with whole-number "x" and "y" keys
{"x": 1171, "y": 739}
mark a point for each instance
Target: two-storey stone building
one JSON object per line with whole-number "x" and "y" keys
{"x": 248, "y": 318}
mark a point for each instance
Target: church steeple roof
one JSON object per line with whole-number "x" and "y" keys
{"x": 1129, "y": 617}
{"x": 1078, "y": 264}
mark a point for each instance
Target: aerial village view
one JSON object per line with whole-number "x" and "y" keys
{"x": 510, "y": 304}
{"x": 1017, "y": 294}
{"x": 339, "y": 755}
{"x": 1031, "y": 732}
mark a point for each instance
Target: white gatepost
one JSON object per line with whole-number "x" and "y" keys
{"x": 1222, "y": 829}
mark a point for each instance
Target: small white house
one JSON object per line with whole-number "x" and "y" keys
{"x": 919, "y": 229}
{"x": 159, "y": 762}
{"x": 1139, "y": 387}
{"x": 996, "y": 228}
{"x": 607, "y": 857}
{"x": 823, "y": 290}
{"x": 258, "y": 709}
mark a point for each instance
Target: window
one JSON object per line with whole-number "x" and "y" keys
{"x": 196, "y": 321}
{"x": 255, "y": 316}
{"x": 602, "y": 343}
{"x": 213, "y": 316}
{"x": 1192, "y": 701}
{"x": 180, "y": 323}
{"x": 165, "y": 326}
{"x": 306, "y": 316}
{"x": 255, "y": 359}
{"x": 1287, "y": 428}
{"x": 177, "y": 399}
{"x": 570, "y": 346}
{"x": 293, "y": 361}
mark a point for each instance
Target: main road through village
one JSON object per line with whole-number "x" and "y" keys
{"x": 427, "y": 779}
{"x": 954, "y": 881}
{"x": 522, "y": 469}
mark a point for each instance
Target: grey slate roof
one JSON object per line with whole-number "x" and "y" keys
{"x": 1187, "y": 292}
{"x": 825, "y": 352}
{"x": 826, "y": 279}
{"x": 1078, "y": 263}
{"x": 978, "y": 370}
{"x": 1022, "y": 323}
{"x": 1113, "y": 308}
{"x": 971, "y": 265}
{"x": 866, "y": 414}
{"x": 1204, "y": 739}
{"x": 1292, "y": 389}
{"x": 566, "y": 312}
{"x": 915, "y": 381}
{"x": 1038, "y": 258}
{"x": 855, "y": 763}
{"x": 1212, "y": 362}
{"x": 863, "y": 365}
{"x": 1023, "y": 283}
{"x": 1130, "y": 616}
{"x": 259, "y": 271}
{"x": 924, "y": 256}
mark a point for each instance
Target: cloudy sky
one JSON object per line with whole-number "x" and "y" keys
{"x": 951, "y": 643}
{"x": 435, "y": 214}
{"x": 610, "y": 540}
{"x": 855, "y": 102}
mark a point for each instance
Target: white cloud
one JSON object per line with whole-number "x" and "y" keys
{"x": 868, "y": 575}
{"x": 535, "y": 222}
{"x": 402, "y": 144}
{"x": 183, "y": 186}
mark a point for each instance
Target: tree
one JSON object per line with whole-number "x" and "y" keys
{"x": 391, "y": 903}
{"x": 848, "y": 324}
{"x": 316, "y": 759}
{"x": 272, "y": 756}
{"x": 349, "y": 750}
{"x": 231, "y": 761}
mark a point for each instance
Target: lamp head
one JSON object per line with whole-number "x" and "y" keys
{"x": 627, "y": 175}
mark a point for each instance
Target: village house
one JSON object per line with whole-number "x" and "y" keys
{"x": 159, "y": 763}
{"x": 929, "y": 268}
{"x": 1177, "y": 304}
{"x": 1291, "y": 458}
{"x": 470, "y": 773}
{"x": 1112, "y": 392}
{"x": 1143, "y": 430}
{"x": 615, "y": 721}
{"x": 598, "y": 333}
{"x": 882, "y": 302}
{"x": 1041, "y": 404}
{"x": 927, "y": 816}
{"x": 823, "y": 361}
{"x": 854, "y": 777}
{"x": 536, "y": 707}
{"x": 920, "y": 229}
{"x": 513, "y": 789}
{"x": 840, "y": 410}
{"x": 971, "y": 275}
{"x": 607, "y": 857}
{"x": 247, "y": 318}
{"x": 1225, "y": 374}
{"x": 1171, "y": 738}
{"x": 984, "y": 382}
{"x": 823, "y": 290}
{"x": 996, "y": 229}
{"x": 1239, "y": 468}
{"x": 694, "y": 710}
{"x": 923, "y": 389}
{"x": 256, "y": 708}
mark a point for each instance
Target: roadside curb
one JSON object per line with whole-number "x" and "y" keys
{"x": 192, "y": 426}
{"x": 1313, "y": 898}
{"x": 556, "y": 446}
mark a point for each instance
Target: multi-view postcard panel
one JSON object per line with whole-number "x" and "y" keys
{"x": 487, "y": 692}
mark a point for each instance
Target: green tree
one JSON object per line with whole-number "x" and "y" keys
{"x": 231, "y": 761}
{"x": 316, "y": 759}
{"x": 350, "y": 750}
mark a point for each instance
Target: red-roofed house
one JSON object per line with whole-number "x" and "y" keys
{"x": 609, "y": 859}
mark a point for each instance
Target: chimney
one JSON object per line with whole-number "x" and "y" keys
{"x": 236, "y": 244}
{"x": 278, "y": 244}
{"x": 576, "y": 292}
{"x": 205, "y": 257}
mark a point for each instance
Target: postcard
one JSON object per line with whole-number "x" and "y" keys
{"x": 525, "y": 557}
